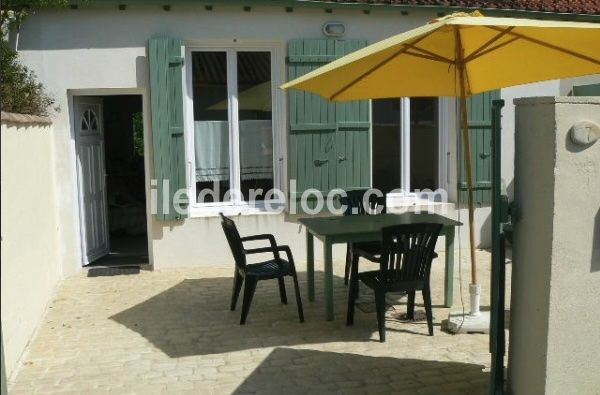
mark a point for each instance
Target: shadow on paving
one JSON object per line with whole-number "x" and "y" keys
{"x": 292, "y": 371}
{"x": 193, "y": 318}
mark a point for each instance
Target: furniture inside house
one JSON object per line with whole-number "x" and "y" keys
{"x": 405, "y": 265}
{"x": 251, "y": 273}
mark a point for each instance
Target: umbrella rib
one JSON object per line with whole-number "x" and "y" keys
{"x": 475, "y": 54}
{"x": 370, "y": 71}
{"x": 377, "y": 67}
{"x": 492, "y": 49}
{"x": 430, "y": 57}
{"x": 548, "y": 45}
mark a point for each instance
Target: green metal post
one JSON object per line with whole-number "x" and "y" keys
{"x": 497, "y": 287}
{"x": 328, "y": 262}
{"x": 310, "y": 265}
{"x": 4, "y": 384}
{"x": 449, "y": 273}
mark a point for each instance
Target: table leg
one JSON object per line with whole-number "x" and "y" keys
{"x": 449, "y": 276}
{"x": 310, "y": 265}
{"x": 328, "y": 279}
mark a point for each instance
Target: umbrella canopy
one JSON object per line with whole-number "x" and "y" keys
{"x": 426, "y": 61}
{"x": 460, "y": 55}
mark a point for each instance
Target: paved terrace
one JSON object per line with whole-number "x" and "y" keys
{"x": 171, "y": 331}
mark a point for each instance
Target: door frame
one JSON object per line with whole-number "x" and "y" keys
{"x": 146, "y": 114}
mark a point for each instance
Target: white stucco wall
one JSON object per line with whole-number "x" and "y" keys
{"x": 80, "y": 51}
{"x": 554, "y": 342}
{"x": 546, "y": 88}
{"x": 30, "y": 257}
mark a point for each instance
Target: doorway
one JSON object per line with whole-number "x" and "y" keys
{"x": 406, "y": 136}
{"x": 110, "y": 166}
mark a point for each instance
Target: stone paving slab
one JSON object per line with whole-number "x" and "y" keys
{"x": 172, "y": 332}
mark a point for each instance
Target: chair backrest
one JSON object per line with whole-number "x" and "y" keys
{"x": 354, "y": 202}
{"x": 407, "y": 251}
{"x": 234, "y": 240}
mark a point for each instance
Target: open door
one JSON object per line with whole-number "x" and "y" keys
{"x": 89, "y": 137}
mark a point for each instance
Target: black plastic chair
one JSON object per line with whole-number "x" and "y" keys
{"x": 405, "y": 264}
{"x": 354, "y": 202}
{"x": 251, "y": 273}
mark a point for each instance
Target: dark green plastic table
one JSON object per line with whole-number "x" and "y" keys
{"x": 355, "y": 228}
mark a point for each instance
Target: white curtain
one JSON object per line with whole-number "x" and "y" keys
{"x": 211, "y": 145}
{"x": 256, "y": 150}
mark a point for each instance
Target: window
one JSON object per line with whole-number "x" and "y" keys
{"x": 255, "y": 122}
{"x": 211, "y": 124}
{"x": 233, "y": 147}
{"x": 407, "y": 138}
{"x": 387, "y": 164}
{"x": 89, "y": 121}
{"x": 424, "y": 137}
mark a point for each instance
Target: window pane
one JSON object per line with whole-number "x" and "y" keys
{"x": 211, "y": 125}
{"x": 423, "y": 143}
{"x": 255, "y": 123}
{"x": 386, "y": 144}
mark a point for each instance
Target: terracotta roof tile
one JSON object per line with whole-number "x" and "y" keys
{"x": 591, "y": 7}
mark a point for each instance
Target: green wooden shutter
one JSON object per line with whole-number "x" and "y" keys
{"x": 166, "y": 63}
{"x": 479, "y": 109}
{"x": 329, "y": 142}
{"x": 586, "y": 90}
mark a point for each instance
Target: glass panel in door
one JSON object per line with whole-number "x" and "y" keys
{"x": 211, "y": 126}
{"x": 387, "y": 162}
{"x": 424, "y": 132}
{"x": 255, "y": 124}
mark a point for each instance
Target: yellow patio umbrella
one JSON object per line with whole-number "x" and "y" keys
{"x": 460, "y": 55}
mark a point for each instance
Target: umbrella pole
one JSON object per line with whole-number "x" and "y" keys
{"x": 474, "y": 289}
{"x": 467, "y": 154}
{"x": 458, "y": 322}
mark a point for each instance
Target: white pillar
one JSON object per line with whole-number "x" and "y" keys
{"x": 555, "y": 299}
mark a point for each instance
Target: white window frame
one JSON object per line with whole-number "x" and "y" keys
{"x": 231, "y": 48}
{"x": 408, "y": 196}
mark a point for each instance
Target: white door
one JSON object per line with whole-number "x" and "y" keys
{"x": 89, "y": 136}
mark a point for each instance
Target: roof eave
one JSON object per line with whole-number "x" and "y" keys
{"x": 353, "y": 5}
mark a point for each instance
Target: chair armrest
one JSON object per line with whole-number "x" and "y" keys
{"x": 274, "y": 249}
{"x": 260, "y": 250}
{"x": 264, "y": 236}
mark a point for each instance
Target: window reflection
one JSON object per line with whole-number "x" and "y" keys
{"x": 255, "y": 122}
{"x": 211, "y": 125}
